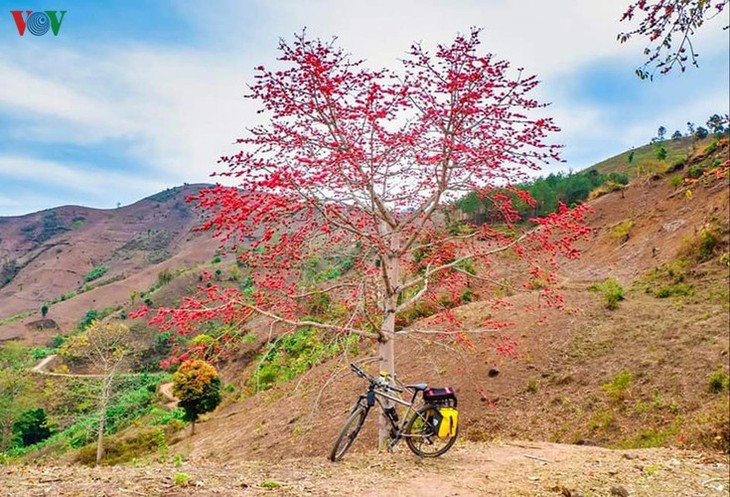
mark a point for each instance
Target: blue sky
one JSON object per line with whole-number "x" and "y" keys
{"x": 133, "y": 97}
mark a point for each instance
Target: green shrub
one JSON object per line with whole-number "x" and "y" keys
{"x": 611, "y": 290}
{"x": 675, "y": 290}
{"x": 119, "y": 450}
{"x": 96, "y": 273}
{"x": 719, "y": 381}
{"x": 181, "y": 479}
{"x": 295, "y": 353}
{"x": 622, "y": 231}
{"x": 708, "y": 242}
{"x": 32, "y": 427}
{"x": 676, "y": 181}
{"x": 164, "y": 277}
{"x": 696, "y": 171}
{"x": 618, "y": 387}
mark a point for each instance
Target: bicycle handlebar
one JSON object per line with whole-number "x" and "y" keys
{"x": 373, "y": 381}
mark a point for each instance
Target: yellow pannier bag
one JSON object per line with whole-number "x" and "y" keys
{"x": 449, "y": 422}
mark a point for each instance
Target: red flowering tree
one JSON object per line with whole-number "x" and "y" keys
{"x": 355, "y": 175}
{"x": 669, "y": 25}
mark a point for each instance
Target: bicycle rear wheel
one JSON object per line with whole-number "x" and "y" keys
{"x": 348, "y": 433}
{"x": 421, "y": 436}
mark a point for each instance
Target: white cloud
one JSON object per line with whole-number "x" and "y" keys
{"x": 97, "y": 182}
{"x": 180, "y": 107}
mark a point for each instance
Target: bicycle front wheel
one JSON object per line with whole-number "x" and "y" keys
{"x": 348, "y": 433}
{"x": 421, "y": 436}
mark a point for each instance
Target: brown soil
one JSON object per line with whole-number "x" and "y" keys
{"x": 556, "y": 389}
{"x": 469, "y": 469}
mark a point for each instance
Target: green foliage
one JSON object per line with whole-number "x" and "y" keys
{"x": 295, "y": 353}
{"x": 119, "y": 450}
{"x": 14, "y": 318}
{"x": 718, "y": 381}
{"x": 696, "y": 171}
{"x": 611, "y": 290}
{"x": 44, "y": 310}
{"x": 676, "y": 181}
{"x": 57, "y": 340}
{"x": 94, "y": 315}
{"x": 14, "y": 356}
{"x": 198, "y": 386}
{"x": 215, "y": 260}
{"x": 661, "y": 153}
{"x": 622, "y": 231}
{"x": 571, "y": 188}
{"x": 166, "y": 417}
{"x": 96, "y": 273}
{"x": 701, "y": 247}
{"x": 17, "y": 390}
{"x": 619, "y": 385}
{"x": 674, "y": 290}
{"x": 164, "y": 277}
{"x": 650, "y": 438}
{"x": 701, "y": 133}
{"x": 668, "y": 280}
{"x": 38, "y": 353}
{"x": 76, "y": 399}
{"x": 32, "y": 427}
{"x": 181, "y": 479}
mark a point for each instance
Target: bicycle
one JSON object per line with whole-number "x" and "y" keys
{"x": 422, "y": 430}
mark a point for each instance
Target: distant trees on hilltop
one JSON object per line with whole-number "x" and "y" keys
{"x": 567, "y": 188}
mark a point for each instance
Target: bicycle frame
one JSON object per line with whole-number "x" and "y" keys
{"x": 397, "y": 432}
{"x": 417, "y": 425}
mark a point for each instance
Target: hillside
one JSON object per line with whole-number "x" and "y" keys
{"x": 650, "y": 371}
{"x": 634, "y": 376}
{"x": 76, "y": 258}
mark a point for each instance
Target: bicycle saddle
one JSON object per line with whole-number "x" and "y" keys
{"x": 419, "y": 387}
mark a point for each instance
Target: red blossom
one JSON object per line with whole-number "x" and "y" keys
{"x": 352, "y": 177}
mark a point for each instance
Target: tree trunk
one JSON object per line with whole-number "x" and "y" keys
{"x": 386, "y": 351}
{"x": 386, "y": 343}
{"x": 5, "y": 435}
{"x": 106, "y": 389}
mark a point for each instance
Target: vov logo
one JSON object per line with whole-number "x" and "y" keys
{"x": 38, "y": 23}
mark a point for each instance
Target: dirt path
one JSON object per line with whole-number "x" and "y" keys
{"x": 170, "y": 399}
{"x": 470, "y": 469}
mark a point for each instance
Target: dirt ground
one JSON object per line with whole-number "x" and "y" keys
{"x": 469, "y": 469}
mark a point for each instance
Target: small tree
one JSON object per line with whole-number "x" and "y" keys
{"x": 701, "y": 133}
{"x": 44, "y": 310}
{"x": 17, "y": 392}
{"x": 717, "y": 124}
{"x": 661, "y": 153}
{"x": 198, "y": 386}
{"x": 661, "y": 133}
{"x": 32, "y": 427}
{"x": 677, "y": 135}
{"x": 106, "y": 346}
